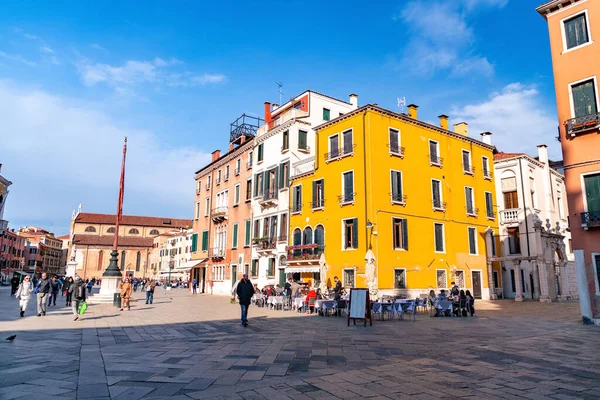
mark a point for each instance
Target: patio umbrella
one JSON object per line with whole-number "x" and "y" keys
{"x": 323, "y": 273}
{"x": 370, "y": 270}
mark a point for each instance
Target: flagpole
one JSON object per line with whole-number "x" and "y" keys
{"x": 113, "y": 271}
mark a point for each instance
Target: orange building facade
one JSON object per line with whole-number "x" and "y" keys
{"x": 223, "y": 214}
{"x": 574, "y": 30}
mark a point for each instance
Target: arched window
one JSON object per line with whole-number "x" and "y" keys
{"x": 123, "y": 254}
{"x": 90, "y": 229}
{"x": 134, "y": 231}
{"x": 308, "y": 235}
{"x": 154, "y": 232}
{"x": 111, "y": 230}
{"x": 138, "y": 261}
{"x": 320, "y": 239}
{"x": 297, "y": 241}
{"x": 100, "y": 259}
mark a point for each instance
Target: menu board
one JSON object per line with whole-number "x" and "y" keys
{"x": 359, "y": 306}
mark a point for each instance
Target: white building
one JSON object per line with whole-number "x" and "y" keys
{"x": 172, "y": 252}
{"x": 284, "y": 147}
{"x": 525, "y": 187}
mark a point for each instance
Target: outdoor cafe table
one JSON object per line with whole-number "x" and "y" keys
{"x": 324, "y": 305}
{"x": 298, "y": 302}
{"x": 380, "y": 307}
{"x": 276, "y": 300}
{"x": 258, "y": 297}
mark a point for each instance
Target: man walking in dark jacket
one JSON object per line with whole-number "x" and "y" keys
{"x": 54, "y": 289}
{"x": 43, "y": 288}
{"x": 245, "y": 291}
{"x": 77, "y": 290}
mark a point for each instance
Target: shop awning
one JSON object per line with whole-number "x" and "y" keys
{"x": 189, "y": 265}
{"x": 302, "y": 268}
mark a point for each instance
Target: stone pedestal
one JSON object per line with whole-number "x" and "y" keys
{"x": 110, "y": 282}
{"x": 71, "y": 268}
{"x": 518, "y": 281}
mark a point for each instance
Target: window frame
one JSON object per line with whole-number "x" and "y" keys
{"x": 399, "y": 151}
{"x": 207, "y": 207}
{"x": 471, "y": 170}
{"x": 441, "y": 207}
{"x": 326, "y": 111}
{"x": 343, "y": 152}
{"x": 344, "y": 270}
{"x": 473, "y": 212}
{"x": 401, "y": 197}
{"x": 475, "y": 239}
{"x": 437, "y": 149}
{"x": 343, "y": 200}
{"x": 299, "y": 209}
{"x": 563, "y": 31}
{"x": 338, "y": 153}
{"x": 485, "y": 165}
{"x": 443, "y": 251}
{"x": 307, "y": 147}
{"x": 260, "y": 153}
{"x": 285, "y": 140}
{"x": 578, "y": 82}
{"x": 354, "y": 234}
{"x": 236, "y": 195}
{"x": 583, "y": 188}
{"x": 489, "y": 213}
{"x": 403, "y": 238}
{"x": 445, "y": 278}
{"x": 405, "y": 283}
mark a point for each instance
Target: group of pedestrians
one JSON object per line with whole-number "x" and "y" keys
{"x": 46, "y": 292}
{"x": 128, "y": 287}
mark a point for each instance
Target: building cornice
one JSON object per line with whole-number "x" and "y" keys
{"x": 551, "y": 7}
{"x": 225, "y": 159}
{"x": 403, "y": 118}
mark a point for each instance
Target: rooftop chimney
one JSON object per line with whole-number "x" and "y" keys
{"x": 215, "y": 155}
{"x": 231, "y": 146}
{"x": 462, "y": 128}
{"x": 412, "y": 111}
{"x": 275, "y": 106}
{"x": 486, "y": 137}
{"x": 443, "y": 121}
{"x": 267, "y": 112}
{"x": 543, "y": 153}
{"x": 354, "y": 100}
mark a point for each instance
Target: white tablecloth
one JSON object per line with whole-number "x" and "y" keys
{"x": 298, "y": 302}
{"x": 275, "y": 300}
{"x": 325, "y": 304}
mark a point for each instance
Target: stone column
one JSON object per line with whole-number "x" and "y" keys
{"x": 584, "y": 287}
{"x": 518, "y": 281}
{"x": 543, "y": 274}
{"x": 493, "y": 295}
{"x": 536, "y": 278}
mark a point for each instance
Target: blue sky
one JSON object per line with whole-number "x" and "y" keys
{"x": 75, "y": 77}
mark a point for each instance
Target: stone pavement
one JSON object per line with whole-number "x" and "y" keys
{"x": 184, "y": 347}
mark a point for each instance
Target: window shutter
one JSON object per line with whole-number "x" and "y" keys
{"x": 355, "y": 233}
{"x": 281, "y": 176}
{"x": 394, "y": 140}
{"x": 287, "y": 175}
{"x": 322, "y": 199}
{"x": 405, "y": 234}
{"x": 204, "y": 240}
{"x": 194, "y": 242}
{"x": 394, "y": 185}
{"x": 247, "y": 237}
{"x": 294, "y": 198}
{"x": 266, "y": 182}
{"x": 255, "y": 185}
{"x": 235, "y": 235}
{"x": 314, "y": 194}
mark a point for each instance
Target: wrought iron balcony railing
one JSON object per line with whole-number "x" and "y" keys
{"x": 237, "y": 171}
{"x": 248, "y": 164}
{"x": 296, "y": 208}
{"x": 346, "y": 198}
{"x": 396, "y": 150}
{"x": 320, "y": 203}
{"x": 269, "y": 196}
{"x": 582, "y": 124}
{"x": 468, "y": 169}
{"x": 398, "y": 198}
{"x": 590, "y": 219}
{"x": 435, "y": 160}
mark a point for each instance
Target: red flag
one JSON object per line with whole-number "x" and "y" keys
{"x": 121, "y": 194}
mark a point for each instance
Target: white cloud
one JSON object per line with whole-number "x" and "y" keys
{"x": 18, "y": 58}
{"x": 441, "y": 38}
{"x": 208, "y": 78}
{"x": 58, "y": 152}
{"x": 97, "y": 47}
{"x": 157, "y": 71}
{"x": 29, "y": 36}
{"x": 46, "y": 49}
{"x": 516, "y": 117}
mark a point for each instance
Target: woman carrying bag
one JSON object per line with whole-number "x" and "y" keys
{"x": 126, "y": 290}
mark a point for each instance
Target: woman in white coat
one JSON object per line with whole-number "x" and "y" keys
{"x": 24, "y": 294}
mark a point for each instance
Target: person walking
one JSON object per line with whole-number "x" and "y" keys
{"x": 245, "y": 291}
{"x": 126, "y": 290}
{"x": 90, "y": 285}
{"x": 77, "y": 290}
{"x": 195, "y": 286}
{"x": 54, "y": 289}
{"x": 150, "y": 285}
{"x": 24, "y": 294}
{"x": 14, "y": 285}
{"x": 67, "y": 292}
{"x": 43, "y": 288}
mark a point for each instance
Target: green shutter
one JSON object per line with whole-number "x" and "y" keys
{"x": 235, "y": 236}
{"x": 355, "y": 233}
{"x": 584, "y": 99}
{"x": 405, "y": 234}
{"x": 194, "y": 242}
{"x": 281, "y": 176}
{"x": 247, "y": 237}
{"x": 255, "y": 185}
{"x": 265, "y": 183}
{"x": 592, "y": 192}
{"x": 314, "y": 194}
{"x": 287, "y": 175}
{"x": 322, "y": 199}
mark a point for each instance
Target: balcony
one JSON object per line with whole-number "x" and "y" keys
{"x": 303, "y": 167}
{"x": 296, "y": 209}
{"x": 319, "y": 204}
{"x": 305, "y": 253}
{"x": 265, "y": 244}
{"x": 590, "y": 219}
{"x": 216, "y": 253}
{"x": 347, "y": 198}
{"x": 269, "y": 198}
{"x": 436, "y": 161}
{"x": 398, "y": 198}
{"x": 396, "y": 150}
{"x": 472, "y": 211}
{"x": 468, "y": 169}
{"x": 510, "y": 216}
{"x": 337, "y": 154}
{"x": 582, "y": 124}
{"x": 219, "y": 214}
{"x": 438, "y": 205}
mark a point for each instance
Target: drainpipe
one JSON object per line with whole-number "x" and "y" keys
{"x": 367, "y": 239}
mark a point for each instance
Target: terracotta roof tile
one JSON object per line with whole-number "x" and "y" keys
{"x": 124, "y": 241}
{"x": 502, "y": 155}
{"x": 92, "y": 218}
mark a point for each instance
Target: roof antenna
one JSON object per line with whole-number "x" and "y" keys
{"x": 280, "y": 92}
{"x": 401, "y": 103}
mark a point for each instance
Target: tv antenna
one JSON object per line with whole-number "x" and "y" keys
{"x": 280, "y": 91}
{"x": 401, "y": 103}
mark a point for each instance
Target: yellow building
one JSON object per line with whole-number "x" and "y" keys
{"x": 419, "y": 196}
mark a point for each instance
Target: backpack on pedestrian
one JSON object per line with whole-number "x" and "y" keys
{"x": 80, "y": 293}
